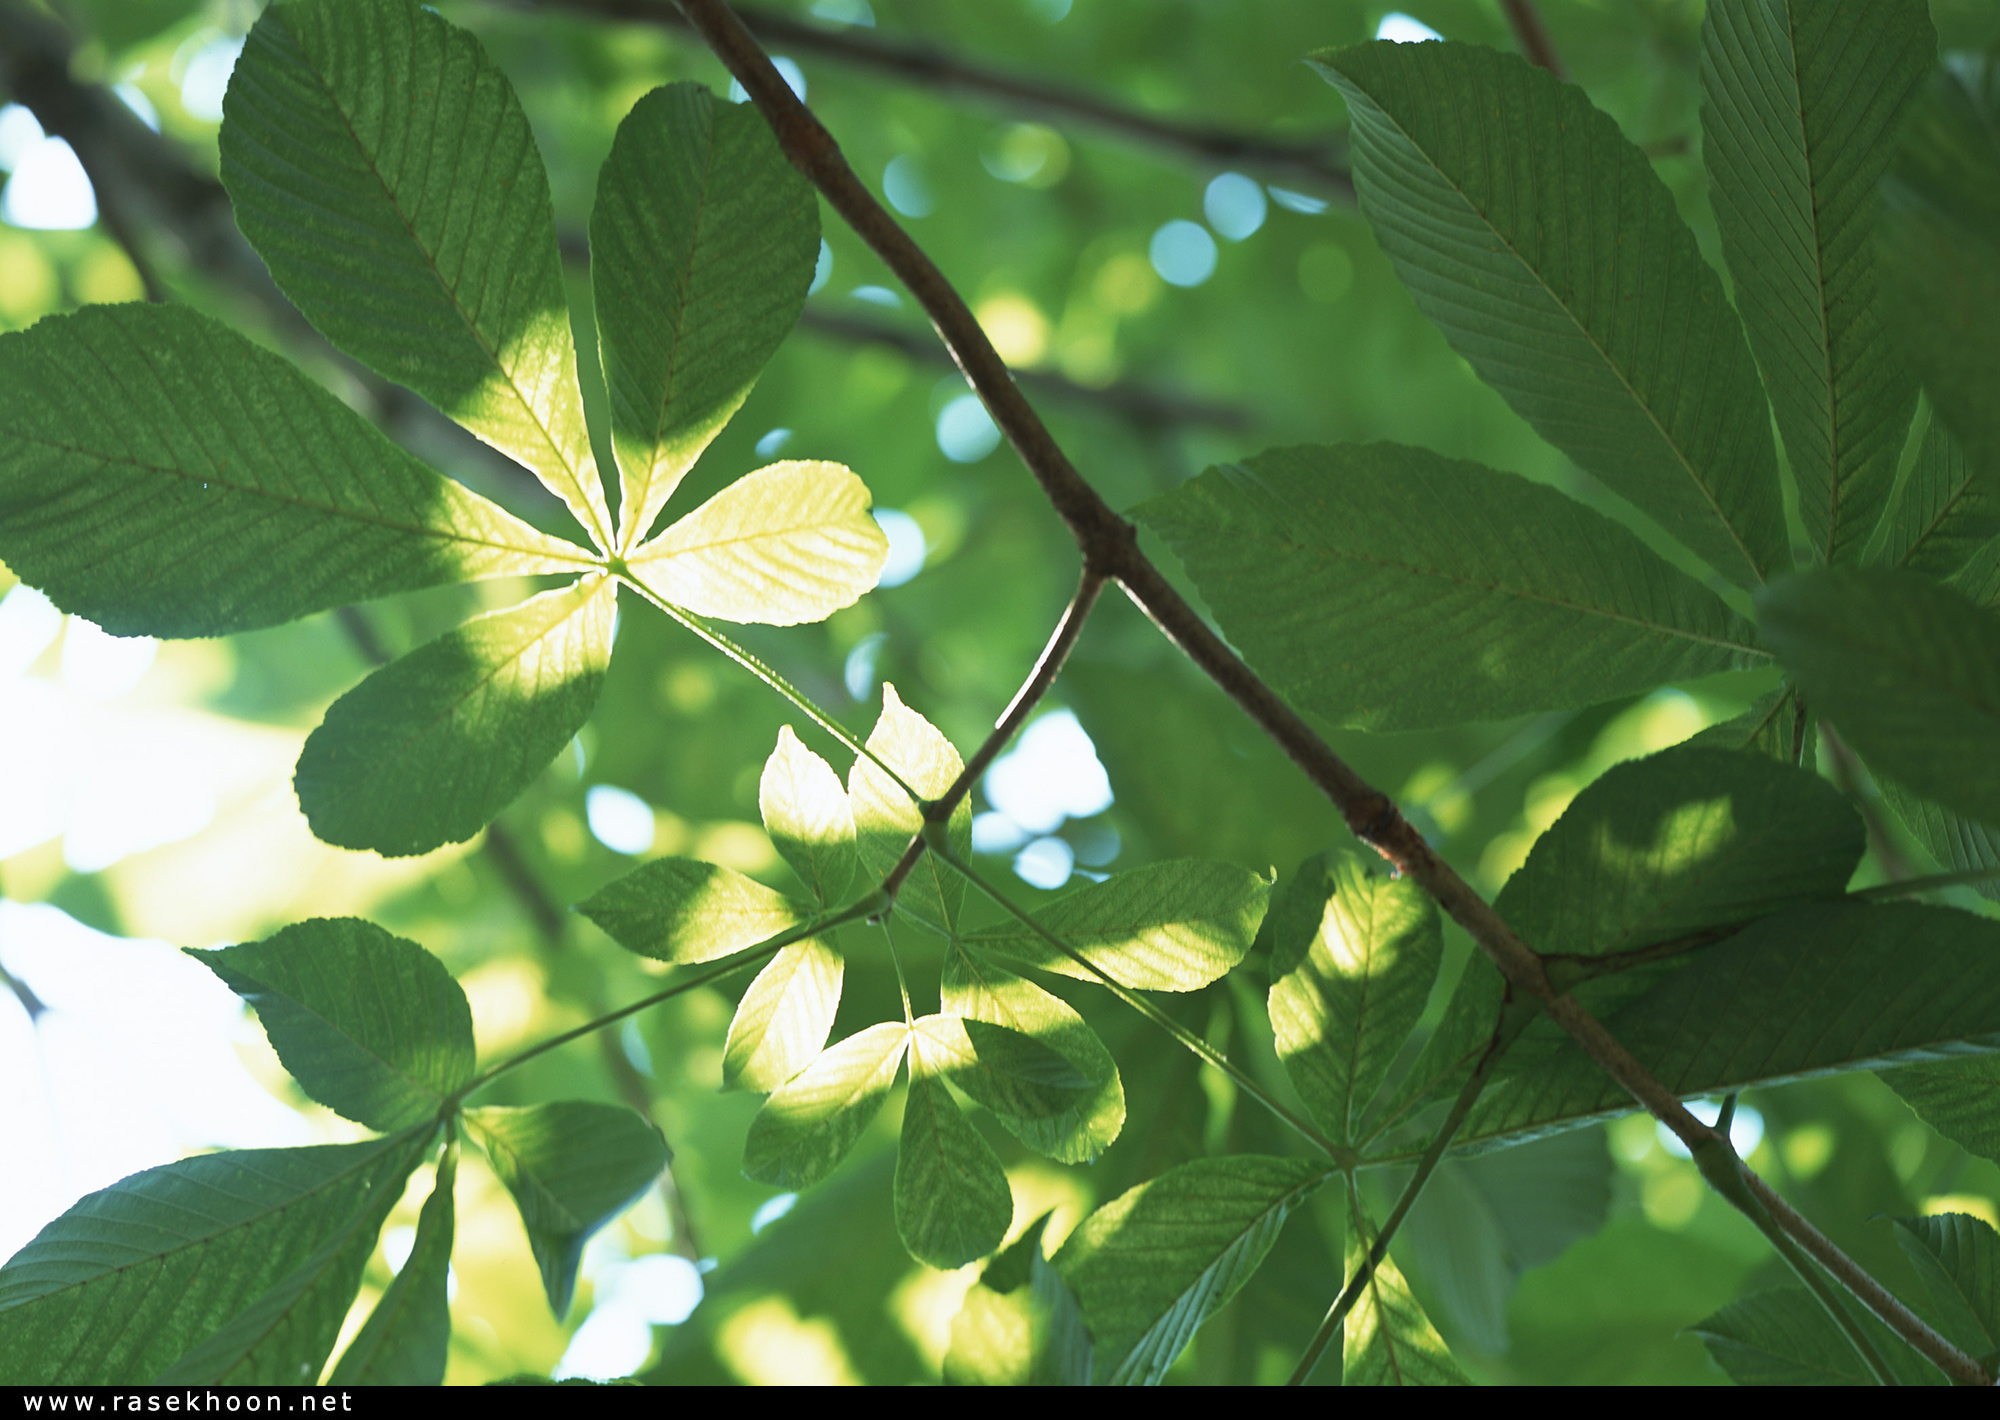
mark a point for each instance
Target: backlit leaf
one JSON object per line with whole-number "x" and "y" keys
{"x": 884, "y": 818}
{"x": 806, "y": 813}
{"x": 783, "y": 1019}
{"x": 680, "y": 910}
{"x": 1958, "y": 1098}
{"x": 1387, "y": 1339}
{"x": 953, "y": 1203}
{"x": 406, "y": 1337}
{"x": 163, "y": 476}
{"x": 811, "y": 1122}
{"x": 428, "y": 749}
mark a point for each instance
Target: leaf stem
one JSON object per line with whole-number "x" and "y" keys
{"x": 1514, "y": 1018}
{"x": 1194, "y": 1043}
{"x": 1931, "y": 883}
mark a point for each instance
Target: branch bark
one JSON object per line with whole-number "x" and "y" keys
{"x": 1533, "y": 35}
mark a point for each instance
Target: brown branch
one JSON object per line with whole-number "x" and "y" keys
{"x": 1533, "y": 35}
{"x": 1109, "y": 542}
{"x": 1317, "y": 162}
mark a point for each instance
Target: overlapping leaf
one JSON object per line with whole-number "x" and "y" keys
{"x": 427, "y": 750}
{"x": 1387, "y": 1339}
{"x": 885, "y": 820}
{"x": 1352, "y": 962}
{"x": 680, "y": 910}
{"x": 1908, "y": 670}
{"x": 811, "y": 1122}
{"x": 1776, "y": 726}
{"x": 783, "y": 1019}
{"x": 163, "y": 476}
{"x": 1020, "y": 1325}
{"x": 1784, "y": 1337}
{"x": 382, "y": 167}
{"x": 1958, "y": 1098}
{"x": 1800, "y": 106}
{"x": 572, "y": 1167}
{"x": 1151, "y": 1265}
{"x": 806, "y": 812}
{"x": 177, "y": 1254}
{"x": 1348, "y": 576}
{"x": 1946, "y": 512}
{"x": 702, "y": 244}
{"x": 407, "y": 1336}
{"x": 1958, "y": 1256}
{"x": 953, "y": 1204}
{"x": 1543, "y": 245}
{"x": 370, "y": 1025}
{"x": 1957, "y": 842}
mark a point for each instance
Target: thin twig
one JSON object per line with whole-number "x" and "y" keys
{"x": 1533, "y": 35}
{"x": 1315, "y": 162}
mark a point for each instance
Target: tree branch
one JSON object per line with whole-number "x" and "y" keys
{"x": 1110, "y": 543}
{"x": 1318, "y": 162}
{"x": 1534, "y": 37}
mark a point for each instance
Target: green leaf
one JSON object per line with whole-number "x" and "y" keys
{"x": 163, "y": 476}
{"x": 370, "y": 1025}
{"x": 1959, "y": 844}
{"x": 885, "y": 820}
{"x": 1337, "y": 571}
{"x": 1958, "y": 1256}
{"x": 809, "y": 1124}
{"x": 1387, "y": 1339}
{"x": 1351, "y": 970}
{"x": 1038, "y": 1092}
{"x": 427, "y": 750}
{"x": 788, "y": 544}
{"x": 1800, "y": 106}
{"x": 382, "y": 167}
{"x": 783, "y": 1020}
{"x": 953, "y": 1203}
{"x": 1542, "y": 244}
{"x": 1771, "y": 727}
{"x": 1809, "y": 991}
{"x": 1939, "y": 239}
{"x": 1020, "y": 1325}
{"x": 1163, "y": 927}
{"x": 1958, "y": 1098}
{"x": 1784, "y": 1337}
{"x": 679, "y": 910}
{"x": 407, "y": 1335}
{"x": 1909, "y": 671}
{"x": 1947, "y": 510}
{"x": 1037, "y": 1110}
{"x": 572, "y": 1167}
{"x": 1151, "y": 1265}
{"x": 135, "y": 1276}
{"x": 806, "y": 812}
{"x": 702, "y": 244}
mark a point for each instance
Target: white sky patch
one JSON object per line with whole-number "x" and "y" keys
{"x": 1746, "y": 1128}
{"x": 134, "y": 98}
{"x": 907, "y": 548}
{"x": 49, "y": 191}
{"x": 20, "y": 131}
{"x": 772, "y": 1209}
{"x": 822, "y": 268}
{"x": 1404, "y": 29}
{"x": 1051, "y": 774}
{"x": 619, "y": 819}
{"x": 206, "y": 77}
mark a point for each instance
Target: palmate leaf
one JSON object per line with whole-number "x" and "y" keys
{"x": 572, "y": 1167}
{"x": 790, "y": 543}
{"x": 1163, "y": 927}
{"x": 381, "y": 165}
{"x": 1908, "y": 670}
{"x": 1800, "y": 106}
{"x": 680, "y": 910}
{"x": 953, "y": 1203}
{"x": 1352, "y": 962}
{"x": 1344, "y": 574}
{"x": 163, "y": 476}
{"x": 1030, "y": 1095}
{"x": 429, "y": 748}
{"x": 1958, "y": 1256}
{"x": 407, "y": 1336}
{"x": 1542, "y": 244}
{"x": 806, "y": 812}
{"x": 137, "y": 1276}
{"x": 1808, "y": 991}
{"x": 702, "y": 244}
{"x": 885, "y": 820}
{"x": 1387, "y": 1339}
{"x": 810, "y": 1123}
{"x": 783, "y": 1020}
{"x": 1946, "y": 512}
{"x": 370, "y": 1025}
{"x": 1151, "y": 1265}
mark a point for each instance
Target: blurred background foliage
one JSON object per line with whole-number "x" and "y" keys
{"x": 1172, "y": 305}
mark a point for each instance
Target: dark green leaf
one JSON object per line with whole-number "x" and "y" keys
{"x": 370, "y": 1025}
{"x": 1959, "y": 844}
{"x": 427, "y": 750}
{"x": 572, "y": 1167}
{"x": 1349, "y": 982}
{"x": 978, "y": 991}
{"x": 1151, "y": 1265}
{"x": 679, "y": 910}
{"x": 1946, "y": 512}
{"x": 783, "y": 1020}
{"x": 1939, "y": 240}
{"x": 806, "y": 813}
{"x": 1958, "y": 1257}
{"x": 953, "y": 1203}
{"x": 1387, "y": 1339}
{"x": 1800, "y": 106}
{"x": 1808, "y": 991}
{"x": 1908, "y": 671}
{"x": 406, "y": 1337}
{"x": 1163, "y": 927}
{"x": 1958, "y": 1098}
{"x": 1784, "y": 1337}
{"x": 809, "y": 1124}
{"x": 163, "y": 476}
{"x": 136, "y": 1276}
{"x": 1338, "y": 572}
{"x": 787, "y": 544}
{"x": 702, "y": 244}
{"x": 1772, "y": 727}
{"x": 382, "y": 167}
{"x": 885, "y": 820}
{"x": 1543, "y": 245}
